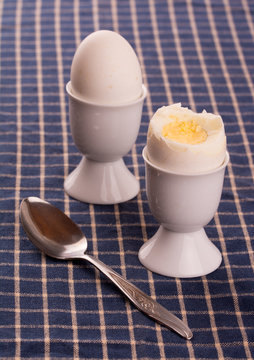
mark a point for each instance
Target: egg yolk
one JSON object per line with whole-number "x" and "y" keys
{"x": 186, "y": 132}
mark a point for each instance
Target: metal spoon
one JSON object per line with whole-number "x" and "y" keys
{"x": 55, "y": 234}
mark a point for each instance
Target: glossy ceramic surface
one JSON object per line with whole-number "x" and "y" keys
{"x": 101, "y": 182}
{"x": 103, "y": 134}
{"x": 183, "y": 205}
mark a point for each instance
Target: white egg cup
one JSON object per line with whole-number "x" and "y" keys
{"x": 183, "y": 205}
{"x": 103, "y": 134}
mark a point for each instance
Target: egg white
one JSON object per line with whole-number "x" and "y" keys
{"x": 186, "y": 158}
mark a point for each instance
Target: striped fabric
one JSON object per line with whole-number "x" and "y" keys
{"x": 198, "y": 52}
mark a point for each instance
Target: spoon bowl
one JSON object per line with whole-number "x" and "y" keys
{"x": 56, "y": 235}
{"x": 49, "y": 229}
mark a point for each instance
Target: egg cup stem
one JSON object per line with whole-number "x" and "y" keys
{"x": 180, "y": 255}
{"x": 101, "y": 182}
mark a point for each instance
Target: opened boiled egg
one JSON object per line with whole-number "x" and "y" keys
{"x": 105, "y": 70}
{"x": 182, "y": 141}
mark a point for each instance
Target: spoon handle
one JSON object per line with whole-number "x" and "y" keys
{"x": 142, "y": 301}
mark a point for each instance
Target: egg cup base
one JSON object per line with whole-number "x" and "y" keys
{"x": 180, "y": 255}
{"x": 101, "y": 182}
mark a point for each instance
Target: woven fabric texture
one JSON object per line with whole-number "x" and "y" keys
{"x": 197, "y": 52}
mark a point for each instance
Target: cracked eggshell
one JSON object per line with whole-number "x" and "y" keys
{"x": 186, "y": 158}
{"x": 105, "y": 70}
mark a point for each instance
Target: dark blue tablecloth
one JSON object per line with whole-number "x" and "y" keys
{"x": 199, "y": 53}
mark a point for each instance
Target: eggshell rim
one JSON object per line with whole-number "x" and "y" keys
{"x": 223, "y": 165}
{"x": 140, "y": 98}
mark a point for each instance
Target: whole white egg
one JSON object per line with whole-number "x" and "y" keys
{"x": 196, "y": 143}
{"x": 105, "y": 70}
